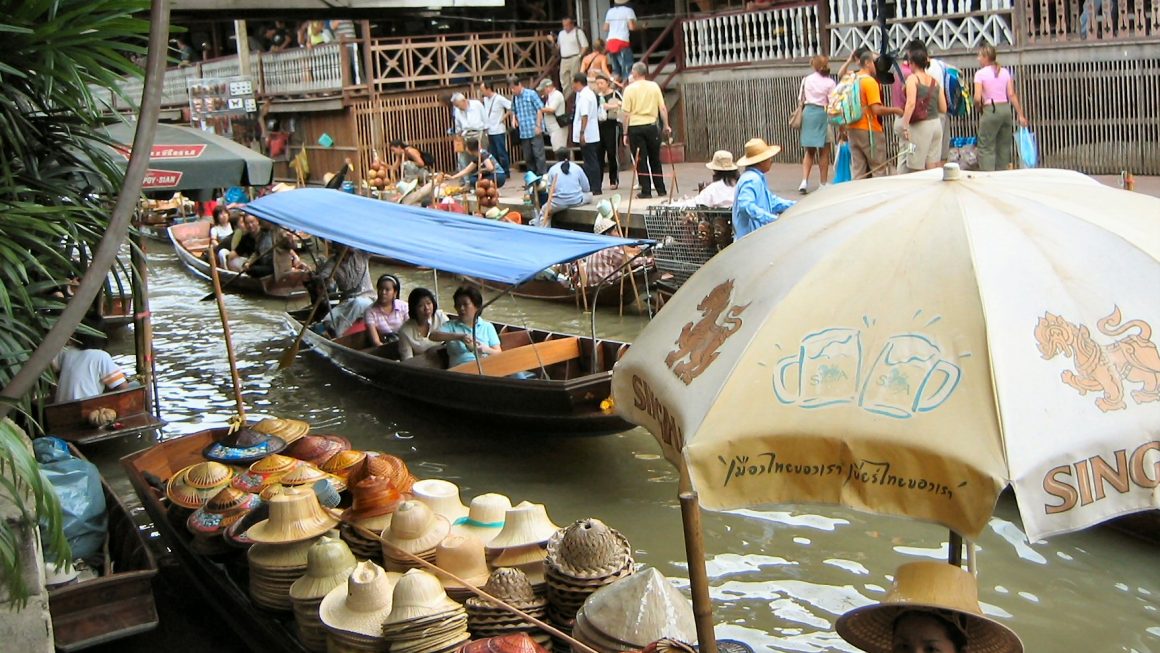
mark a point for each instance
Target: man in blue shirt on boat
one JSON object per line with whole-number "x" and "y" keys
{"x": 754, "y": 204}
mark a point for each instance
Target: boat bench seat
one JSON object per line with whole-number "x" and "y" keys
{"x": 523, "y": 359}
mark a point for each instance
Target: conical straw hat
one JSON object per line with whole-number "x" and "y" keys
{"x": 484, "y": 518}
{"x": 195, "y": 485}
{"x": 243, "y": 446}
{"x": 223, "y": 509}
{"x": 329, "y": 563}
{"x": 524, "y": 524}
{"x": 274, "y": 464}
{"x": 933, "y": 587}
{"x": 641, "y": 608}
{"x": 341, "y": 463}
{"x": 418, "y": 594}
{"x": 414, "y": 528}
{"x": 442, "y": 497}
{"x": 373, "y": 496}
{"x": 317, "y": 449}
{"x": 508, "y": 584}
{"x": 287, "y": 429}
{"x": 361, "y": 604}
{"x": 461, "y": 555}
{"x": 295, "y": 515}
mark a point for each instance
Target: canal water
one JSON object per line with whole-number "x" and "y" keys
{"x": 779, "y": 576}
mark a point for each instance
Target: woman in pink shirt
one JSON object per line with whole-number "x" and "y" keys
{"x": 814, "y": 95}
{"x": 994, "y": 98}
{"x": 386, "y": 316}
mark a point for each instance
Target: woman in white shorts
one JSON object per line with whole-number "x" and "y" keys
{"x": 921, "y": 127}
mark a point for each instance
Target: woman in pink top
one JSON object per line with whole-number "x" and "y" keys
{"x": 994, "y": 98}
{"x": 814, "y": 95}
{"x": 386, "y": 316}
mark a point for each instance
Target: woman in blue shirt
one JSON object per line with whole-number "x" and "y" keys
{"x": 462, "y": 339}
{"x": 572, "y": 187}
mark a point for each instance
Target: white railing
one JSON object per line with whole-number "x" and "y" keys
{"x": 945, "y": 25}
{"x": 303, "y": 70}
{"x": 751, "y": 37}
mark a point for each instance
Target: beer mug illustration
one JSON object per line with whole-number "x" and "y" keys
{"x": 909, "y": 377}
{"x": 827, "y": 366}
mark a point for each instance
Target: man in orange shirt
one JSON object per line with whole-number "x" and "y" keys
{"x": 867, "y": 143}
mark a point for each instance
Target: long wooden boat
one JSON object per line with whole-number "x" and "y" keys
{"x": 222, "y": 582}
{"x": 69, "y": 421}
{"x": 116, "y": 604}
{"x": 190, "y": 241}
{"x": 578, "y": 373}
{"x": 611, "y": 295}
{"x": 115, "y": 308}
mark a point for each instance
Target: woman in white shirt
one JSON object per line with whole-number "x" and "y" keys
{"x": 221, "y": 229}
{"x": 719, "y": 194}
{"x": 415, "y": 344}
{"x": 815, "y": 139}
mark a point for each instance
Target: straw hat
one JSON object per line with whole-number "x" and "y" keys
{"x": 602, "y": 223}
{"x": 405, "y": 187}
{"x": 495, "y": 213}
{"x": 329, "y": 563}
{"x": 341, "y": 463}
{"x": 722, "y": 161}
{"x": 195, "y": 485}
{"x": 946, "y": 590}
{"x": 243, "y": 446}
{"x": 756, "y": 151}
{"x": 287, "y": 429}
{"x": 373, "y": 496}
{"x": 513, "y": 643}
{"x": 519, "y": 556}
{"x": 524, "y": 524}
{"x": 360, "y": 605}
{"x": 415, "y": 528}
{"x": 485, "y": 517}
{"x": 461, "y": 555}
{"x": 306, "y": 474}
{"x": 418, "y": 594}
{"x": 223, "y": 509}
{"x": 639, "y": 609}
{"x": 281, "y": 187}
{"x": 442, "y": 497}
{"x": 317, "y": 449}
{"x": 588, "y": 549}
{"x": 295, "y": 515}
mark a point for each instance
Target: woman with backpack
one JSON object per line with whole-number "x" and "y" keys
{"x": 995, "y": 97}
{"x": 921, "y": 126}
{"x": 814, "y": 97}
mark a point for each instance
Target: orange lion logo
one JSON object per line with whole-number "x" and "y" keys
{"x": 1104, "y": 368}
{"x": 699, "y": 342}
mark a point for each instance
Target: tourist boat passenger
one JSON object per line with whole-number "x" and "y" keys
{"x": 461, "y": 338}
{"x": 386, "y": 316}
{"x": 415, "y": 344}
{"x": 86, "y": 370}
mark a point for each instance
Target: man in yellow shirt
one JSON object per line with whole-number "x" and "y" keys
{"x": 643, "y": 103}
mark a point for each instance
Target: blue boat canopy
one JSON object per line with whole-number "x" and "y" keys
{"x": 488, "y": 249}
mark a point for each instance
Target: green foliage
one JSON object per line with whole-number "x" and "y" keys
{"x": 57, "y": 183}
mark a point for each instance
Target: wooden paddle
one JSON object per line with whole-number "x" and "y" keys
{"x": 288, "y": 356}
{"x": 221, "y": 304}
{"x": 546, "y": 218}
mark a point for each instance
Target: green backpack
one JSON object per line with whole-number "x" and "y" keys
{"x": 845, "y": 106}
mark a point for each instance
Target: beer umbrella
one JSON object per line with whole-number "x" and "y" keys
{"x": 183, "y": 158}
{"x": 912, "y": 345}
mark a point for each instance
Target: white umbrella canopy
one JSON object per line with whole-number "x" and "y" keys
{"x": 911, "y": 345}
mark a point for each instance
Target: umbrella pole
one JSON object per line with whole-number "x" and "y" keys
{"x": 955, "y": 552}
{"x": 695, "y": 555}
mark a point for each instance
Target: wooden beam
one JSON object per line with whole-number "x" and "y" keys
{"x": 522, "y": 359}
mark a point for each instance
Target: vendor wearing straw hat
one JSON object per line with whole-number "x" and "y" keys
{"x": 755, "y": 205}
{"x": 931, "y": 607}
{"x": 720, "y": 193}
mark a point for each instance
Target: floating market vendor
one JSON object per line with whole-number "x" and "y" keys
{"x": 480, "y": 163}
{"x": 86, "y": 370}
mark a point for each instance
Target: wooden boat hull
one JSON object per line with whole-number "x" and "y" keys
{"x": 116, "y": 310}
{"x": 69, "y": 420}
{"x": 569, "y": 405}
{"x": 119, "y": 604}
{"x": 190, "y": 238}
{"x": 553, "y": 291}
{"x": 259, "y": 630}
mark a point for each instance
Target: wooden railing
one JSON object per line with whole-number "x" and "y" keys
{"x": 449, "y": 60}
{"x": 1056, "y": 21}
{"x": 738, "y": 38}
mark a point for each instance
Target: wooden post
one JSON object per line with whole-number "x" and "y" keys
{"x": 241, "y": 36}
{"x": 143, "y": 322}
{"x": 221, "y": 304}
{"x": 695, "y": 556}
{"x": 955, "y": 550}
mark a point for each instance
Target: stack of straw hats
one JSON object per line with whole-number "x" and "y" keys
{"x": 510, "y": 585}
{"x": 416, "y": 530}
{"x": 243, "y": 447}
{"x": 461, "y": 556}
{"x": 442, "y": 497}
{"x": 287, "y": 429}
{"x": 374, "y": 501}
{"x": 264, "y": 473}
{"x": 520, "y": 543}
{"x": 485, "y": 517}
{"x": 423, "y": 618}
{"x": 342, "y": 463}
{"x": 353, "y": 612}
{"x": 393, "y": 467}
{"x": 209, "y": 521}
{"x": 582, "y": 558}
{"x": 633, "y": 611}
{"x": 317, "y": 449}
{"x": 515, "y": 643}
{"x": 195, "y": 485}
{"x": 305, "y": 473}
{"x": 329, "y": 564}
{"x": 279, "y": 557}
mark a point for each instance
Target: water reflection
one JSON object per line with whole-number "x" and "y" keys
{"x": 780, "y": 577}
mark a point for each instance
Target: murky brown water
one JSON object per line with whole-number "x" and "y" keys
{"x": 780, "y": 577}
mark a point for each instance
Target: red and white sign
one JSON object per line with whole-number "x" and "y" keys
{"x": 161, "y": 152}
{"x": 162, "y": 178}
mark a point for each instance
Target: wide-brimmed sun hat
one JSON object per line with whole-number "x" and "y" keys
{"x": 461, "y": 555}
{"x": 485, "y": 517}
{"x": 373, "y": 496}
{"x": 287, "y": 429}
{"x": 224, "y": 508}
{"x": 329, "y": 563}
{"x": 942, "y": 589}
{"x": 441, "y": 496}
{"x": 524, "y": 524}
{"x": 415, "y": 528}
{"x": 242, "y": 447}
{"x": 295, "y": 515}
{"x": 418, "y": 594}
{"x": 317, "y": 449}
{"x": 193, "y": 486}
{"x": 722, "y": 161}
{"x": 756, "y": 151}
{"x": 362, "y": 603}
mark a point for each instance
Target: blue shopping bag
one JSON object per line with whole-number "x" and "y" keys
{"x": 1028, "y": 148}
{"x": 842, "y": 168}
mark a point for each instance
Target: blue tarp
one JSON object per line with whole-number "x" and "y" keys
{"x": 467, "y": 245}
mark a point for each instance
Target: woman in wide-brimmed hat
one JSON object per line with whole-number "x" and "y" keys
{"x": 932, "y": 606}
{"x": 720, "y": 193}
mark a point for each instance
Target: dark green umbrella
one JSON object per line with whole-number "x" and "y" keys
{"x": 187, "y": 159}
